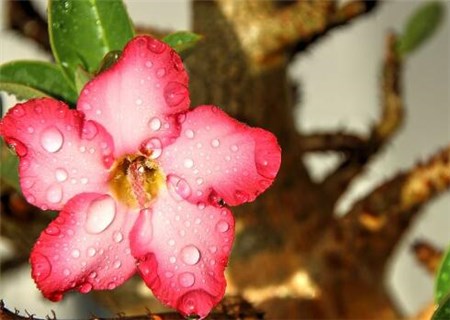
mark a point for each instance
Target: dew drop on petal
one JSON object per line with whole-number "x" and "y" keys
{"x": 100, "y": 214}
{"x": 91, "y": 252}
{"x": 189, "y": 133}
{"x": 66, "y": 272}
{"x": 89, "y": 130}
{"x": 155, "y": 124}
{"x": 117, "y": 236}
{"x": 201, "y": 205}
{"x": 152, "y": 147}
{"x": 148, "y": 64}
{"x": 117, "y": 264}
{"x": 213, "y": 249}
{"x": 30, "y": 130}
{"x": 241, "y": 196}
{"x": 234, "y": 148}
{"x": 172, "y": 259}
{"x": 175, "y": 93}
{"x": 41, "y": 267}
{"x": 215, "y": 143}
{"x": 161, "y": 73}
{"x": 178, "y": 187}
{"x": 188, "y": 163}
{"x": 54, "y": 193}
{"x": 156, "y": 46}
{"x": 186, "y": 279}
{"x": 190, "y": 255}
{"x": 18, "y": 111}
{"x": 86, "y": 287}
{"x": 61, "y": 175}
{"x": 52, "y": 139}
{"x": 222, "y": 226}
{"x": 93, "y": 275}
{"x": 75, "y": 253}
{"x": 52, "y": 230}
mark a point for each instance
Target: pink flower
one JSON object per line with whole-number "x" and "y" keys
{"x": 141, "y": 181}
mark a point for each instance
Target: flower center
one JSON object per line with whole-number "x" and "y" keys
{"x": 135, "y": 180}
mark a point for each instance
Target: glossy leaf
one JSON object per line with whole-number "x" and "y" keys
{"x": 442, "y": 287}
{"x": 421, "y": 26}
{"x": 109, "y": 60}
{"x": 443, "y": 310}
{"x": 8, "y": 167}
{"x": 83, "y": 31}
{"x": 21, "y": 92}
{"x": 81, "y": 78}
{"x": 182, "y": 41}
{"x": 42, "y": 76}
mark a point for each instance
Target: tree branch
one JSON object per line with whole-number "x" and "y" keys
{"x": 382, "y": 131}
{"x": 427, "y": 255}
{"x": 323, "y": 142}
{"x": 373, "y": 227}
{"x": 229, "y": 308}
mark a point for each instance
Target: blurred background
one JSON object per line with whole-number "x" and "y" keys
{"x": 339, "y": 85}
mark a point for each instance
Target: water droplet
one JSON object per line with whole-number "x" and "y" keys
{"x": 66, "y": 272}
{"x": 168, "y": 274}
{"x": 91, "y": 251}
{"x": 86, "y": 106}
{"x": 85, "y": 288}
{"x": 172, "y": 259}
{"x": 188, "y": 163}
{"x": 117, "y": 264}
{"x": 52, "y": 139}
{"x": 111, "y": 285}
{"x": 175, "y": 93}
{"x": 178, "y": 186}
{"x": 76, "y": 253}
{"x": 234, "y": 148}
{"x": 52, "y": 230}
{"x": 61, "y": 175}
{"x": 155, "y": 124}
{"x": 148, "y": 64}
{"x": 54, "y": 193}
{"x": 161, "y": 72}
{"x": 198, "y": 220}
{"x": 93, "y": 275}
{"x": 138, "y": 102}
{"x": 199, "y": 181}
{"x": 89, "y": 130}
{"x": 108, "y": 161}
{"x": 213, "y": 249}
{"x": 241, "y": 196}
{"x": 38, "y": 109}
{"x": 186, "y": 279}
{"x": 189, "y": 133}
{"x": 181, "y": 118}
{"x": 156, "y": 46}
{"x": 18, "y": 111}
{"x": 19, "y": 148}
{"x": 30, "y": 130}
{"x": 41, "y": 267}
{"x": 215, "y": 143}
{"x": 152, "y": 147}
{"x": 171, "y": 242}
{"x": 100, "y": 214}
{"x": 222, "y": 226}
{"x": 190, "y": 255}
{"x": 117, "y": 236}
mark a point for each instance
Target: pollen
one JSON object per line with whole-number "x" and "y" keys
{"x": 135, "y": 180}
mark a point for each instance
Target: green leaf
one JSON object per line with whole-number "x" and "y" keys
{"x": 42, "y": 76}
{"x": 443, "y": 310}
{"x": 109, "y": 60}
{"x": 83, "y": 31}
{"x": 421, "y": 26}
{"x": 21, "y": 92}
{"x": 81, "y": 78}
{"x": 442, "y": 286}
{"x": 8, "y": 167}
{"x": 182, "y": 40}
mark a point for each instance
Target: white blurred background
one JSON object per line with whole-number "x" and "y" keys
{"x": 339, "y": 78}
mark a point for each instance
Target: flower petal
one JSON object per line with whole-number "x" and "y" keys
{"x": 86, "y": 247}
{"x": 182, "y": 251}
{"x": 61, "y": 154}
{"x": 139, "y": 96}
{"x": 224, "y": 159}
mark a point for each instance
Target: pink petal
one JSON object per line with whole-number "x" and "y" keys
{"x": 139, "y": 97}
{"x": 216, "y": 157}
{"x": 86, "y": 247}
{"x": 61, "y": 154}
{"x": 182, "y": 251}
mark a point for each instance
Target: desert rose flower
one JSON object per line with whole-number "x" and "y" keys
{"x": 143, "y": 182}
